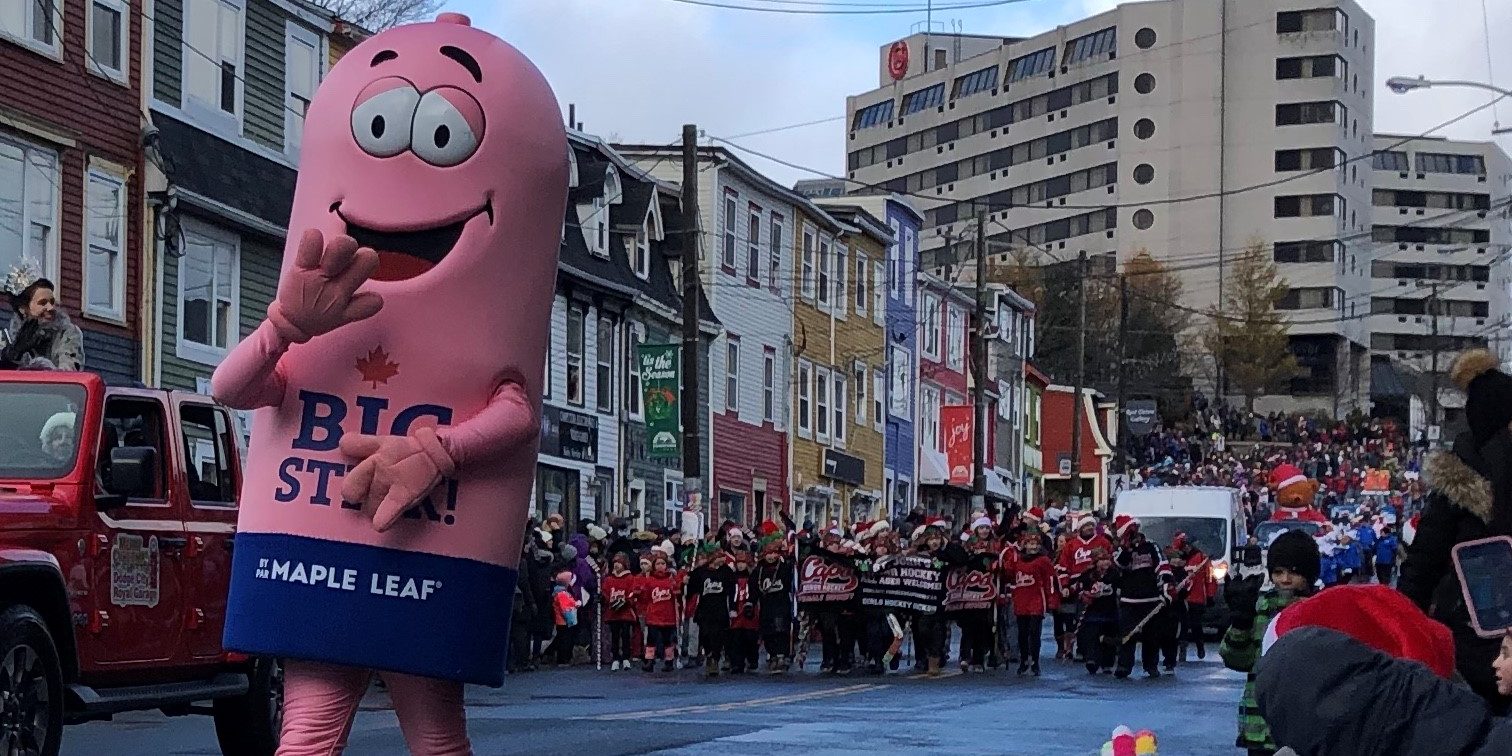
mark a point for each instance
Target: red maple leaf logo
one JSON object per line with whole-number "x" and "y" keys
{"x": 376, "y": 368}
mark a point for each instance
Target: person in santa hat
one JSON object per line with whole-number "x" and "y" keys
{"x": 1360, "y": 671}
{"x": 618, "y": 589}
{"x": 1201, "y": 592}
{"x": 1143, "y": 579}
{"x": 773, "y": 584}
{"x": 978, "y": 554}
{"x": 1035, "y": 593}
{"x": 656, "y": 594}
{"x": 929, "y": 627}
{"x": 1097, "y": 633}
{"x": 1070, "y": 564}
{"x": 1295, "y": 495}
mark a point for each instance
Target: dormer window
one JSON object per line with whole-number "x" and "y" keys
{"x": 598, "y": 227}
{"x": 641, "y": 255}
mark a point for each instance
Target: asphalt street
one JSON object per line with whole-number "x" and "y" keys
{"x": 1064, "y": 713}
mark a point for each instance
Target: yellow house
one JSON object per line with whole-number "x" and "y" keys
{"x": 839, "y": 350}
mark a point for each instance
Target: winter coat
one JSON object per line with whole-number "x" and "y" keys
{"x": 626, "y": 546}
{"x": 1326, "y": 694}
{"x": 773, "y": 586}
{"x": 1139, "y": 573}
{"x": 1460, "y": 508}
{"x": 55, "y": 345}
{"x": 747, "y": 610}
{"x": 1099, "y": 593}
{"x": 1203, "y": 587}
{"x": 1076, "y": 557}
{"x": 586, "y": 577}
{"x": 1034, "y": 587}
{"x": 564, "y": 606}
{"x": 1365, "y": 535}
{"x": 1349, "y": 558}
{"x": 715, "y": 589}
{"x": 656, "y": 597}
{"x": 1386, "y": 549}
{"x": 1240, "y": 650}
{"x": 538, "y": 575}
{"x": 619, "y": 590}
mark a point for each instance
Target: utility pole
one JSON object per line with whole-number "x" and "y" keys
{"x": 1433, "y": 367}
{"x": 979, "y": 371}
{"x": 692, "y": 293}
{"x": 1081, "y": 371}
{"x": 1123, "y": 371}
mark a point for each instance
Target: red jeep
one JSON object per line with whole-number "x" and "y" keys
{"x": 117, "y": 520}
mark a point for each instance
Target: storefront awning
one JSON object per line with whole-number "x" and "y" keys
{"x": 934, "y": 470}
{"x": 997, "y": 486}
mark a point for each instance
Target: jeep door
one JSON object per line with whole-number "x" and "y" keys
{"x": 212, "y": 472}
{"x": 135, "y": 563}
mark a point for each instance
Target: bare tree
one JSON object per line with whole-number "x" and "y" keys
{"x": 377, "y": 15}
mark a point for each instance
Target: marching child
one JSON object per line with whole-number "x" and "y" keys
{"x": 564, "y": 604}
{"x": 618, "y": 594}
{"x": 713, "y": 583}
{"x": 656, "y": 596}
{"x": 1098, "y": 635}
{"x": 745, "y": 627}
{"x": 1034, "y": 594}
{"x": 773, "y": 583}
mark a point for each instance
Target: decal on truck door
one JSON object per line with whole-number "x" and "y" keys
{"x": 135, "y": 567}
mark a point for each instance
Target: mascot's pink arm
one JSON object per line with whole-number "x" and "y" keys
{"x": 251, "y": 377}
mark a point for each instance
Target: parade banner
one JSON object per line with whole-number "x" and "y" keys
{"x": 966, "y": 588}
{"x": 659, "y": 376}
{"x": 824, "y": 580}
{"x": 1377, "y": 481}
{"x": 955, "y": 425}
{"x": 908, "y": 583}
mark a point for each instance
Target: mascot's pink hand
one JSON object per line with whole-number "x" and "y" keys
{"x": 318, "y": 294}
{"x": 396, "y": 472}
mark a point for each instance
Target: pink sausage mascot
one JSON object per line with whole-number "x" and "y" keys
{"x": 397, "y": 383}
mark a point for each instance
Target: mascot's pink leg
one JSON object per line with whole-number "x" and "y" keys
{"x": 320, "y": 702}
{"x": 431, "y": 715}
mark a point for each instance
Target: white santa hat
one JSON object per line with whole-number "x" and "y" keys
{"x": 664, "y": 547}
{"x": 58, "y": 420}
{"x": 735, "y": 533}
{"x": 877, "y": 528}
{"x": 1084, "y": 519}
{"x": 981, "y": 522}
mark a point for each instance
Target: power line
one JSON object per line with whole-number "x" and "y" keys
{"x": 789, "y": 127}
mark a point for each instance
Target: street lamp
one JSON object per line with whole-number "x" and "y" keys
{"x": 1405, "y": 84}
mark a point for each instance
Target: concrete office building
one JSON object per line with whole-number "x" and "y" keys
{"x": 1087, "y": 137}
{"x": 1441, "y": 219}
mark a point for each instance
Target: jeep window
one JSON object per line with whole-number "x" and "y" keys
{"x": 208, "y": 450}
{"x": 134, "y": 422}
{"x": 38, "y": 433}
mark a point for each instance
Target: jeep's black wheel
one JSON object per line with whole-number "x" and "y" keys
{"x": 31, "y": 686}
{"x": 248, "y": 725}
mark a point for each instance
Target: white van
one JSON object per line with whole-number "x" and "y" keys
{"x": 1212, "y": 518}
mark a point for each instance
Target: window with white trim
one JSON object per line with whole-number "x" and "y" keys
{"x": 929, "y": 418}
{"x": 213, "y": 34}
{"x": 106, "y": 25}
{"x": 732, "y": 374}
{"x": 640, "y": 259}
{"x": 879, "y": 312}
{"x": 841, "y": 404}
{"x": 28, "y": 23}
{"x": 301, "y": 77}
{"x": 805, "y": 398}
{"x": 955, "y": 325}
{"x": 896, "y": 259}
{"x": 878, "y": 389}
{"x": 825, "y": 261}
{"x": 910, "y": 254}
{"x": 596, "y": 227}
{"x": 822, "y": 415}
{"x": 634, "y": 390}
{"x": 842, "y": 268}
{"x": 29, "y": 181}
{"x": 604, "y": 354}
{"x": 863, "y": 269}
{"x": 575, "y": 341}
{"x": 774, "y": 244}
{"x": 899, "y": 392}
{"x": 769, "y": 385}
{"x": 753, "y": 245}
{"x": 730, "y": 219}
{"x": 208, "y": 284}
{"x": 931, "y": 320}
{"x": 105, "y": 244}
{"x": 806, "y": 282}
{"x": 863, "y": 381}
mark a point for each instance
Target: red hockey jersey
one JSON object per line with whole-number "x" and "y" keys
{"x": 1034, "y": 588}
{"x": 619, "y": 590}
{"x": 658, "y": 599}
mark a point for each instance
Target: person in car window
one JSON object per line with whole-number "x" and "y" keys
{"x": 58, "y": 437}
{"x": 40, "y": 336}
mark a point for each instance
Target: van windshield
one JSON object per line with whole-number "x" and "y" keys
{"x": 1206, "y": 533}
{"x": 1267, "y": 532}
{"x": 38, "y": 429}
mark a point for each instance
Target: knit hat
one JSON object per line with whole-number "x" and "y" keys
{"x": 1376, "y": 615}
{"x": 1488, "y": 393}
{"x": 596, "y": 533}
{"x": 1295, "y": 550}
{"x": 1124, "y": 524}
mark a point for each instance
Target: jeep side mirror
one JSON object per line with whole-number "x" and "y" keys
{"x": 133, "y": 472}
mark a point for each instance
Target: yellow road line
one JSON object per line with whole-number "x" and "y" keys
{"x": 706, "y": 708}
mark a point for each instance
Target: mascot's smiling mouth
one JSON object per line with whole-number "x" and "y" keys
{"x": 403, "y": 255}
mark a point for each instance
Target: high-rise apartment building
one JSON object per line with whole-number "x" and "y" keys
{"x": 1442, "y": 235}
{"x": 1189, "y": 128}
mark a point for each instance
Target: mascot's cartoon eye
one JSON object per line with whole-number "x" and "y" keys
{"x": 382, "y": 120}
{"x": 448, "y": 127}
